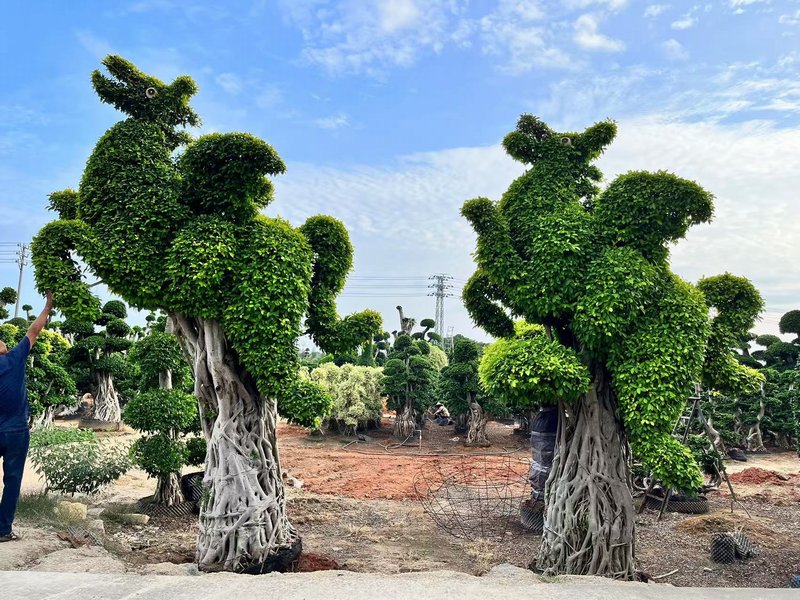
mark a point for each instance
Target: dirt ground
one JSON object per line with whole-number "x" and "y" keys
{"x": 358, "y": 510}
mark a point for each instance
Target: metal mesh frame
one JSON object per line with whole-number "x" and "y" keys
{"x": 476, "y": 497}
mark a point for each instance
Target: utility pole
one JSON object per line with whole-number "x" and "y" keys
{"x": 449, "y": 342}
{"x": 441, "y": 289}
{"x": 22, "y": 260}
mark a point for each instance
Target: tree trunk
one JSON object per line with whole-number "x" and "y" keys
{"x": 106, "y": 400}
{"x": 711, "y": 432}
{"x": 405, "y": 422}
{"x": 476, "y": 426}
{"x": 168, "y": 490}
{"x": 45, "y": 419}
{"x": 461, "y": 422}
{"x": 243, "y": 523}
{"x": 755, "y": 439}
{"x": 589, "y": 518}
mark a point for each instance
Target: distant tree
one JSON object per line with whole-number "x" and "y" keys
{"x": 8, "y": 295}
{"x": 459, "y": 388}
{"x": 409, "y": 379}
{"x": 356, "y": 392}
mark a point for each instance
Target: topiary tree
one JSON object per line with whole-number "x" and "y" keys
{"x": 356, "y": 392}
{"x": 790, "y": 323}
{"x": 621, "y": 338}
{"x": 409, "y": 379}
{"x": 185, "y": 236}
{"x": 8, "y": 295}
{"x": 97, "y": 358}
{"x": 165, "y": 413}
{"x": 459, "y": 388}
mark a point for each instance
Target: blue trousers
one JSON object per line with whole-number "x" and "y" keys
{"x": 13, "y": 450}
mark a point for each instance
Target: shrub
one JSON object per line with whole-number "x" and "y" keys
{"x": 52, "y": 436}
{"x": 79, "y": 467}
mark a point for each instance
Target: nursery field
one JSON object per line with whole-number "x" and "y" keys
{"x": 355, "y": 505}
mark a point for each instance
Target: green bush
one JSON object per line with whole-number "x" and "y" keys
{"x": 79, "y": 467}
{"x": 53, "y": 436}
{"x": 196, "y": 451}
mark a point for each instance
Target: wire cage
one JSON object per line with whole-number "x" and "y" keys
{"x": 475, "y": 496}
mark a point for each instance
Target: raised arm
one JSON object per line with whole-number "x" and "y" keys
{"x": 37, "y": 326}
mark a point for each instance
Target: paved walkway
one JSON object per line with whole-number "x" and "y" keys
{"x": 503, "y": 583}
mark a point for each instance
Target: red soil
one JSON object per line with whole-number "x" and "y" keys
{"x": 377, "y": 470}
{"x": 757, "y": 476}
{"x": 309, "y": 562}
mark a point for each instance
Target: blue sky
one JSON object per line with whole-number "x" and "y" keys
{"x": 389, "y": 114}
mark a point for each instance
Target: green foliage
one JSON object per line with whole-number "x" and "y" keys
{"x": 52, "y": 436}
{"x": 767, "y": 340}
{"x": 305, "y": 403}
{"x": 185, "y": 236}
{"x": 790, "y": 322}
{"x": 196, "y": 451}
{"x": 459, "y": 382}
{"x": 409, "y": 377}
{"x": 79, "y": 467}
{"x": 529, "y": 370}
{"x": 356, "y": 392}
{"x": 738, "y": 304}
{"x": 157, "y": 353}
{"x": 593, "y": 267}
{"x": 162, "y": 411}
{"x": 438, "y": 357}
{"x": 8, "y": 295}
{"x": 159, "y": 454}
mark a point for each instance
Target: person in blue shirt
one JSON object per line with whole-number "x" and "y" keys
{"x": 14, "y": 433}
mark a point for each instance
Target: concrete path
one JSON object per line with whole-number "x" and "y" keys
{"x": 502, "y": 583}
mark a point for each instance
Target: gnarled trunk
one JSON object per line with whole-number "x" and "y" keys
{"x": 755, "y": 439}
{"x": 106, "y": 399}
{"x": 168, "y": 490}
{"x": 476, "y": 426}
{"x": 589, "y": 519}
{"x": 405, "y": 422}
{"x": 243, "y": 523}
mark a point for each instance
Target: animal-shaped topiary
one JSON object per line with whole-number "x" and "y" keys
{"x": 184, "y": 235}
{"x": 613, "y": 337}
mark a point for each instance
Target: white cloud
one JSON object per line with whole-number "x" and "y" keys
{"x": 740, "y": 3}
{"x": 685, "y": 22}
{"x": 674, "y": 50}
{"x": 613, "y": 5}
{"x": 588, "y": 36}
{"x": 414, "y": 202}
{"x": 333, "y": 122}
{"x": 361, "y": 37}
{"x": 655, "y": 10}
{"x": 790, "y": 19}
{"x": 269, "y": 97}
{"x": 230, "y": 82}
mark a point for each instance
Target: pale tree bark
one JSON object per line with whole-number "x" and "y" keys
{"x": 589, "y": 515}
{"x": 106, "y": 400}
{"x": 405, "y": 422}
{"x": 168, "y": 490}
{"x": 755, "y": 439}
{"x": 243, "y": 522}
{"x": 476, "y": 425}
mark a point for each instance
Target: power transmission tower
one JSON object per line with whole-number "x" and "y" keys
{"x": 22, "y": 260}
{"x": 13, "y": 252}
{"x": 441, "y": 289}
{"x": 449, "y": 342}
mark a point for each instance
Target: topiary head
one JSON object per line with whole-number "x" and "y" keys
{"x": 144, "y": 97}
{"x": 533, "y": 141}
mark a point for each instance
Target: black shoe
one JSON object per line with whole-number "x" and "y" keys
{"x": 9, "y": 537}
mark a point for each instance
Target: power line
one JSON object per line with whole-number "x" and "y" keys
{"x": 20, "y": 257}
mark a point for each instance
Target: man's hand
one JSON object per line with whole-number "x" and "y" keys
{"x": 49, "y": 302}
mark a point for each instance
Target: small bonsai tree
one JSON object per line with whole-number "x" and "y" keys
{"x": 459, "y": 388}
{"x": 8, "y": 295}
{"x": 166, "y": 414}
{"x": 409, "y": 381}
{"x": 98, "y": 360}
